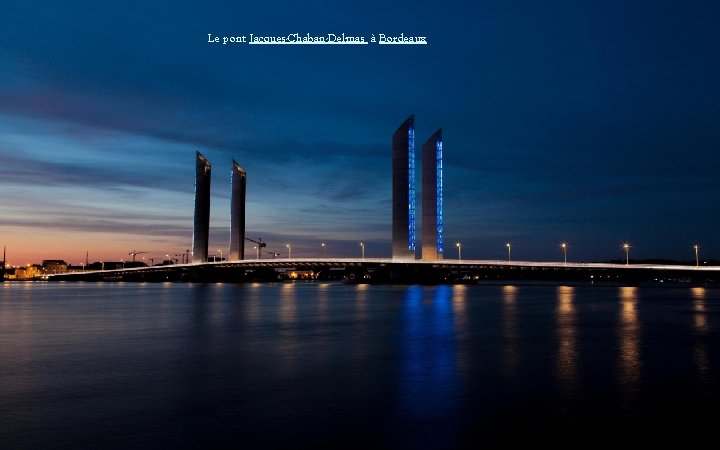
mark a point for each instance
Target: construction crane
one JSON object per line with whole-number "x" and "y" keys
{"x": 133, "y": 253}
{"x": 260, "y": 245}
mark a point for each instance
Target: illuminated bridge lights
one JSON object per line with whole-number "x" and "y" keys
{"x": 439, "y": 187}
{"x": 411, "y": 190}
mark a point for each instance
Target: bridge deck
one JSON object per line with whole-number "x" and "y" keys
{"x": 400, "y": 270}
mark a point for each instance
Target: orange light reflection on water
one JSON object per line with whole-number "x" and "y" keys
{"x": 629, "y": 336}
{"x": 567, "y": 339}
{"x": 510, "y": 330}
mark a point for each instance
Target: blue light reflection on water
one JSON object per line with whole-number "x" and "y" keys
{"x": 287, "y": 365}
{"x": 429, "y": 386}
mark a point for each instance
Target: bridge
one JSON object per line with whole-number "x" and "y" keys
{"x": 387, "y": 270}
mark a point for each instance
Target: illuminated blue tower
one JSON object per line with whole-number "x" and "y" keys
{"x": 403, "y": 205}
{"x": 432, "y": 198}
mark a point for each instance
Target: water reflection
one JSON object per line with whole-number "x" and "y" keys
{"x": 459, "y": 304}
{"x": 202, "y": 308}
{"x": 429, "y": 382}
{"x": 567, "y": 339}
{"x": 287, "y": 313}
{"x": 289, "y": 344}
{"x": 460, "y": 321}
{"x": 361, "y": 348}
{"x": 428, "y": 368}
{"x": 701, "y": 326}
{"x": 443, "y": 321}
{"x": 252, "y": 305}
{"x": 361, "y": 297}
{"x": 510, "y": 330}
{"x": 322, "y": 302}
{"x": 629, "y": 336}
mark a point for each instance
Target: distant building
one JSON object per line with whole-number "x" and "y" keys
{"x": 403, "y": 186}
{"x": 432, "y": 196}
{"x": 238, "y": 181}
{"x": 201, "y": 223}
{"x": 28, "y": 272}
{"x": 53, "y": 266}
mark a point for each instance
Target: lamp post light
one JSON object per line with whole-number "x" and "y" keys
{"x": 220, "y": 254}
{"x": 324, "y": 247}
{"x": 362, "y": 249}
{"x": 289, "y": 247}
{"x": 509, "y": 246}
{"x": 626, "y": 247}
{"x": 563, "y": 246}
{"x": 697, "y": 254}
{"x": 459, "y": 247}
{"x": 257, "y": 252}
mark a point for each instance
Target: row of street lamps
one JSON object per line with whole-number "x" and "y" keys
{"x": 563, "y": 246}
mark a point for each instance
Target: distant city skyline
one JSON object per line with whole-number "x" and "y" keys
{"x": 593, "y": 124}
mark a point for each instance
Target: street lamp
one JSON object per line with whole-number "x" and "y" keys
{"x": 289, "y": 247}
{"x": 324, "y": 246}
{"x": 220, "y": 254}
{"x": 508, "y": 247}
{"x": 459, "y": 247}
{"x": 362, "y": 249}
{"x": 697, "y": 256}
{"x": 626, "y": 246}
{"x": 257, "y": 252}
{"x": 564, "y": 249}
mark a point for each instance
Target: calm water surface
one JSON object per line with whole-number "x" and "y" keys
{"x": 110, "y": 366}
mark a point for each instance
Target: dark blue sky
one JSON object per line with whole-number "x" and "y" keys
{"x": 580, "y": 121}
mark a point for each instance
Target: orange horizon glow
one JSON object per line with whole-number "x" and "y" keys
{"x": 23, "y": 248}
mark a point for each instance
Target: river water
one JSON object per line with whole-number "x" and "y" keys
{"x": 311, "y": 365}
